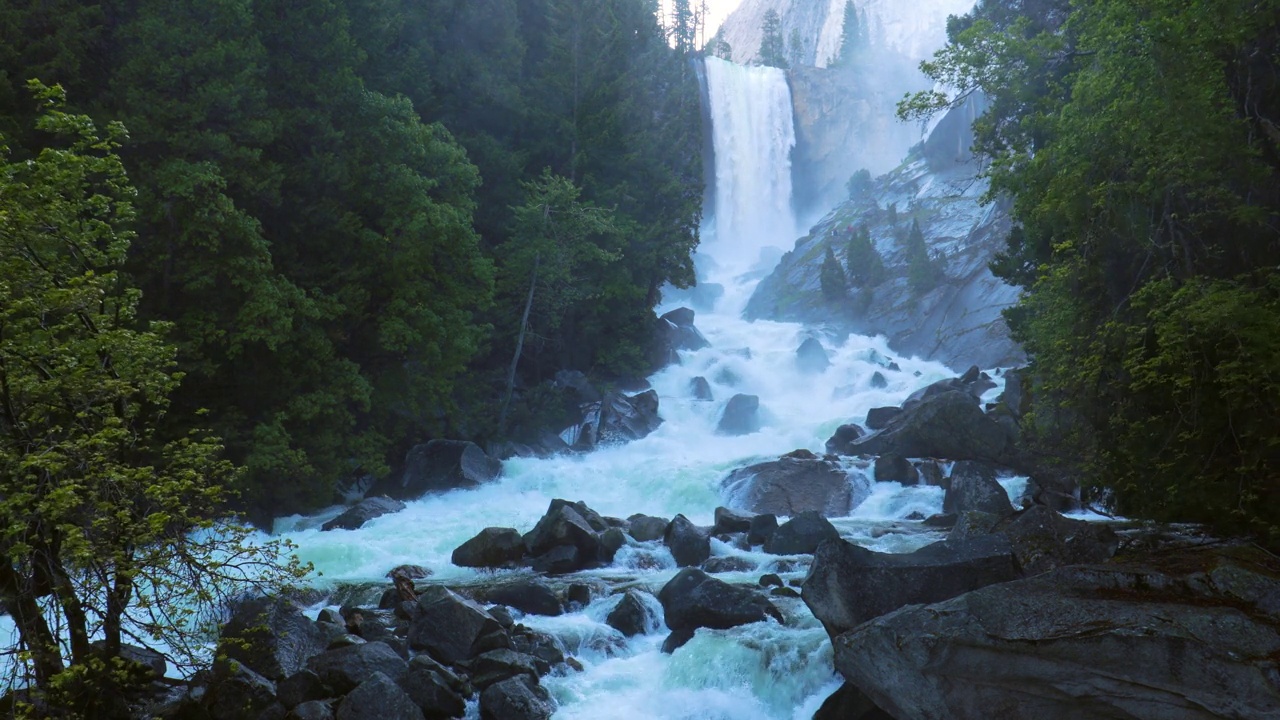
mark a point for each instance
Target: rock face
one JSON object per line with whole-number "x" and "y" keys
{"x": 693, "y": 599}
{"x": 848, "y": 585}
{"x": 958, "y": 321}
{"x": 362, "y": 512}
{"x": 947, "y": 425}
{"x": 741, "y": 416}
{"x": 792, "y": 485}
{"x": 1190, "y": 635}
{"x": 440, "y": 465}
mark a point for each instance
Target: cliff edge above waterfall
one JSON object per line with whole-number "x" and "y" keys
{"x": 955, "y": 318}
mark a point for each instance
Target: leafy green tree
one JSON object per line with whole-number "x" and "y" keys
{"x": 831, "y": 278}
{"x": 106, "y": 527}
{"x": 866, "y": 267}
{"x": 772, "y": 49}
{"x": 858, "y": 183}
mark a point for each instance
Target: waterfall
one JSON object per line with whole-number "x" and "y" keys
{"x": 753, "y": 134}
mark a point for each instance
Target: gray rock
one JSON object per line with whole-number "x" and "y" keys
{"x": 1191, "y": 635}
{"x": 271, "y": 636}
{"x": 811, "y": 357}
{"x": 440, "y": 465}
{"x": 687, "y": 542}
{"x": 449, "y": 625}
{"x": 973, "y": 488}
{"x": 878, "y": 381}
{"x": 645, "y": 528}
{"x": 300, "y": 687}
{"x": 435, "y": 689}
{"x": 611, "y": 541}
{"x": 362, "y": 512}
{"x": 947, "y": 425}
{"x": 724, "y": 564}
{"x": 311, "y": 710}
{"x": 841, "y": 443}
{"x": 879, "y": 418}
{"x": 533, "y": 597}
{"x": 492, "y": 547}
{"x": 741, "y": 416}
{"x": 731, "y": 521}
{"x": 378, "y": 698}
{"x": 895, "y": 468}
{"x": 792, "y": 485}
{"x": 850, "y": 703}
{"x": 931, "y": 473}
{"x": 563, "y": 525}
{"x": 848, "y": 585}
{"x": 345, "y": 668}
{"x": 693, "y": 599}
{"x": 498, "y": 665}
{"x": 762, "y": 528}
{"x": 631, "y": 616}
{"x": 238, "y": 692}
{"x": 1043, "y": 540}
{"x": 700, "y": 389}
{"x": 559, "y": 560}
{"x": 518, "y": 698}
{"x": 680, "y": 333}
{"x": 801, "y": 534}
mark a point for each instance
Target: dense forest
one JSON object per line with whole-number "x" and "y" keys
{"x": 1140, "y": 143}
{"x": 354, "y": 218}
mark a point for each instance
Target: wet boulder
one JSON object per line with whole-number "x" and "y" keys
{"x": 645, "y": 528}
{"x": 517, "y": 698}
{"x": 533, "y": 597}
{"x": 559, "y": 560}
{"x": 271, "y": 636}
{"x": 688, "y": 543}
{"x": 1043, "y": 540}
{"x": 730, "y": 521}
{"x": 792, "y": 485}
{"x": 811, "y": 357}
{"x": 945, "y": 425}
{"x": 563, "y": 525}
{"x": 1191, "y": 634}
{"x": 631, "y": 616}
{"x": 438, "y": 466}
{"x": 495, "y": 666}
{"x": 841, "y": 443}
{"x": 879, "y": 418}
{"x": 362, "y": 512}
{"x": 378, "y": 698}
{"x": 492, "y": 547}
{"x": 700, "y": 389}
{"x": 347, "y": 667}
{"x": 895, "y": 468}
{"x": 693, "y": 599}
{"x": 741, "y": 416}
{"x": 681, "y": 333}
{"x": 435, "y": 689}
{"x": 848, "y": 585}
{"x": 762, "y": 528}
{"x": 801, "y": 534}
{"x": 309, "y": 710}
{"x": 302, "y": 686}
{"x": 237, "y": 691}
{"x": 878, "y": 381}
{"x": 449, "y": 626}
{"x": 973, "y": 488}
{"x": 617, "y": 418}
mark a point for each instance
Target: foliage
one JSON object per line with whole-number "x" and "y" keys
{"x": 106, "y": 527}
{"x": 855, "y": 38}
{"x": 1138, "y": 143}
{"x": 772, "y": 50}
{"x": 866, "y": 267}
{"x": 859, "y": 183}
{"x": 923, "y": 270}
{"x": 831, "y": 277}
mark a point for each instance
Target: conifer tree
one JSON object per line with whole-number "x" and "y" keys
{"x": 866, "y": 267}
{"x": 832, "y": 278}
{"x": 772, "y": 49}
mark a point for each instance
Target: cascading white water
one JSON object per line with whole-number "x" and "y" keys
{"x": 753, "y": 134}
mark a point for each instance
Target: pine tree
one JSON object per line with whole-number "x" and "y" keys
{"x": 772, "y": 50}
{"x": 866, "y": 267}
{"x": 922, "y": 270}
{"x": 850, "y": 37}
{"x": 832, "y": 278}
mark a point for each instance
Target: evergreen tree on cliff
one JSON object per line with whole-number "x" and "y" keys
{"x": 772, "y": 46}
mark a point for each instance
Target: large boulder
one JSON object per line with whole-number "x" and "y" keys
{"x": 792, "y": 485}
{"x": 271, "y": 636}
{"x": 645, "y": 527}
{"x": 563, "y": 524}
{"x": 674, "y": 331}
{"x": 449, "y": 626}
{"x": 895, "y": 468}
{"x": 973, "y": 488}
{"x": 693, "y": 599}
{"x": 700, "y": 389}
{"x": 741, "y": 415}
{"x": 848, "y": 585}
{"x": 378, "y": 698}
{"x": 688, "y": 543}
{"x": 518, "y": 698}
{"x": 616, "y": 419}
{"x": 841, "y": 443}
{"x": 948, "y": 425}
{"x": 534, "y": 597}
{"x": 440, "y": 465}
{"x": 731, "y": 521}
{"x": 237, "y": 692}
{"x": 345, "y": 668}
{"x": 435, "y": 689}
{"x": 1191, "y": 634}
{"x": 1043, "y": 540}
{"x": 495, "y": 666}
{"x": 879, "y": 418}
{"x": 811, "y": 357}
{"x": 492, "y": 547}
{"x": 362, "y": 512}
{"x": 631, "y": 616}
{"x": 801, "y": 534}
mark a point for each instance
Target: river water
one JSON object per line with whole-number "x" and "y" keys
{"x": 764, "y": 670}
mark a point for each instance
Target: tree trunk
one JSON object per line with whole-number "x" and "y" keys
{"x": 515, "y": 359}
{"x": 33, "y": 630}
